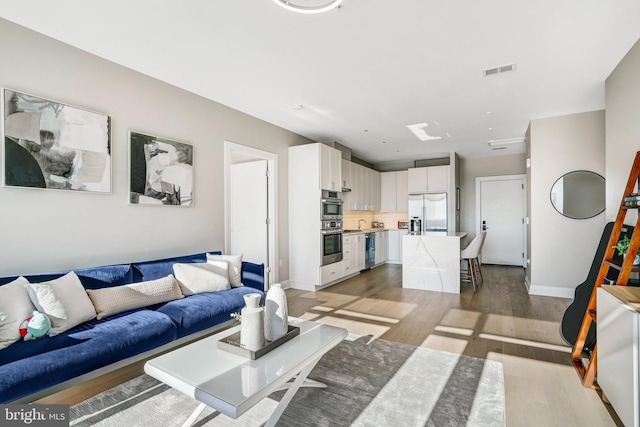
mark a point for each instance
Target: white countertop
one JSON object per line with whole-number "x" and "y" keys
{"x": 459, "y": 234}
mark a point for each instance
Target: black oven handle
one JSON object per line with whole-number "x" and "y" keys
{"x": 331, "y": 231}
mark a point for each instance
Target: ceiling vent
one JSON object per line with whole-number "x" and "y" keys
{"x": 497, "y": 70}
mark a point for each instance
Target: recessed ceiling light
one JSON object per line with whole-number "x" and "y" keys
{"x": 384, "y": 142}
{"x": 418, "y": 130}
{"x": 297, "y": 107}
{"x": 488, "y": 112}
{"x": 490, "y": 128}
{"x": 366, "y": 130}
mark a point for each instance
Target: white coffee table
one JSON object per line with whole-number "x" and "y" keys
{"x": 233, "y": 384}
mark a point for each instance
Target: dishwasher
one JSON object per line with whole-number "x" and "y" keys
{"x": 369, "y": 250}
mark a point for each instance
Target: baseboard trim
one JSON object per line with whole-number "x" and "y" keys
{"x": 286, "y": 284}
{"x": 552, "y": 291}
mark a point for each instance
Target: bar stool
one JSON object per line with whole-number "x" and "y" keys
{"x": 470, "y": 254}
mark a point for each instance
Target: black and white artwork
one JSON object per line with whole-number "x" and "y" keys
{"x": 52, "y": 145}
{"x": 161, "y": 171}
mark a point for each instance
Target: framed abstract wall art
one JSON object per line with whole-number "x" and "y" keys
{"x": 48, "y": 144}
{"x": 160, "y": 171}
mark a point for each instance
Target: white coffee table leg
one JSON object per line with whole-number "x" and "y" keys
{"x": 194, "y": 415}
{"x": 302, "y": 377}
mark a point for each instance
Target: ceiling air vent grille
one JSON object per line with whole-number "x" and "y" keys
{"x": 497, "y": 70}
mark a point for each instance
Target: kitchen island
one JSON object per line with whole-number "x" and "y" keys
{"x": 431, "y": 261}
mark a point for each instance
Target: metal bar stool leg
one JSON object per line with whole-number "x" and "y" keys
{"x": 474, "y": 280}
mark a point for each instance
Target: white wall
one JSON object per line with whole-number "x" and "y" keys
{"x": 562, "y": 249}
{"x": 46, "y": 230}
{"x": 623, "y": 128}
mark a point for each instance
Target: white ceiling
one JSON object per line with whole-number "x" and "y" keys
{"x": 364, "y": 71}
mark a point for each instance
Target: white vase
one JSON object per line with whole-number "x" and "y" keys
{"x": 252, "y": 325}
{"x": 275, "y": 313}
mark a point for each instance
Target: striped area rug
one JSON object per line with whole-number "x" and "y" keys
{"x": 378, "y": 383}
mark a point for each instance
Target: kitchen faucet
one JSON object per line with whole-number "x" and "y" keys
{"x": 359, "y": 223}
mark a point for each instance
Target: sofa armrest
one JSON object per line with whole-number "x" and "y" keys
{"x": 253, "y": 275}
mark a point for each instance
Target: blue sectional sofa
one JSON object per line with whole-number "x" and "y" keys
{"x": 30, "y": 370}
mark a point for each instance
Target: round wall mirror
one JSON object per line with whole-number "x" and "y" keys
{"x": 579, "y": 194}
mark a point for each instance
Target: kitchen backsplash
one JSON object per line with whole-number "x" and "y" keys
{"x": 390, "y": 219}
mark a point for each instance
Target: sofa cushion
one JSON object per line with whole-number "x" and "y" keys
{"x": 102, "y": 277}
{"x": 157, "y": 269}
{"x": 116, "y": 299}
{"x": 91, "y": 278}
{"x": 235, "y": 267}
{"x": 64, "y": 300}
{"x": 97, "y": 343}
{"x": 201, "y": 311}
{"x": 202, "y": 277}
{"x": 15, "y": 307}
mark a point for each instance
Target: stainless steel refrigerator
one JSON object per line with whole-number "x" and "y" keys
{"x": 428, "y": 212}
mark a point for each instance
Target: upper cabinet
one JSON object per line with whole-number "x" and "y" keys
{"x": 432, "y": 179}
{"x": 393, "y": 191}
{"x": 346, "y": 174}
{"x": 365, "y": 189}
{"x": 330, "y": 168}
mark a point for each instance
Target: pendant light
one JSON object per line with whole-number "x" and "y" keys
{"x": 308, "y": 6}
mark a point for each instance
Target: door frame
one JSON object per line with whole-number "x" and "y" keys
{"x": 523, "y": 179}
{"x": 233, "y": 150}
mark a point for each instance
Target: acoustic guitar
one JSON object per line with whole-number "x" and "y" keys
{"x": 573, "y": 315}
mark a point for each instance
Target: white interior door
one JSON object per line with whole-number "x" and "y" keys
{"x": 501, "y": 213}
{"x": 249, "y": 211}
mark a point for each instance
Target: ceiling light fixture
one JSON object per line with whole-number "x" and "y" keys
{"x": 308, "y": 6}
{"x": 418, "y": 130}
{"x": 508, "y": 141}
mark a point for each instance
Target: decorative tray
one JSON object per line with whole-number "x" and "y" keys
{"x": 231, "y": 344}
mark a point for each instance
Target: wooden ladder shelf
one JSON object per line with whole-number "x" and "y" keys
{"x": 585, "y": 362}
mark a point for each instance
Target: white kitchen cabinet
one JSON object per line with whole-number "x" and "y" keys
{"x": 375, "y": 190}
{"x": 346, "y": 173}
{"x": 393, "y": 191}
{"x": 356, "y": 187}
{"x": 382, "y": 247}
{"x": 330, "y": 168}
{"x": 348, "y": 257}
{"x": 307, "y": 170}
{"x": 330, "y": 273}
{"x": 365, "y": 189}
{"x": 388, "y": 191}
{"x": 417, "y": 180}
{"x": 395, "y": 246}
{"x": 358, "y": 250}
{"x": 402, "y": 192}
{"x": 437, "y": 179}
{"x": 432, "y": 179}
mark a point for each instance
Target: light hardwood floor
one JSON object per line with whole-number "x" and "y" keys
{"x": 500, "y": 322}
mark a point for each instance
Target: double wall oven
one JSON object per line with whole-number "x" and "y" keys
{"x": 331, "y": 227}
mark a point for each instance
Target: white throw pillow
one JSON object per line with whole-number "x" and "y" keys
{"x": 15, "y": 307}
{"x": 235, "y": 267}
{"x": 64, "y": 300}
{"x": 116, "y": 299}
{"x": 195, "y": 278}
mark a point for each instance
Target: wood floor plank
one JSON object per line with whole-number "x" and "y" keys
{"x": 501, "y": 321}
